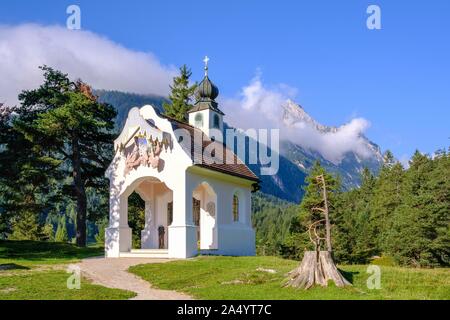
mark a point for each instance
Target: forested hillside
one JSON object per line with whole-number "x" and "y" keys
{"x": 401, "y": 214}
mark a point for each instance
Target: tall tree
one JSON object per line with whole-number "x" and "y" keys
{"x": 181, "y": 96}
{"x": 73, "y": 131}
{"x": 24, "y": 179}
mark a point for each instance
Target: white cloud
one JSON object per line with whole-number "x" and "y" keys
{"x": 260, "y": 107}
{"x": 82, "y": 54}
{"x": 108, "y": 65}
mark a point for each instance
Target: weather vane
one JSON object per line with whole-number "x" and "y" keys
{"x": 206, "y": 65}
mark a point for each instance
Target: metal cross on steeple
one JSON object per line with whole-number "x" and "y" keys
{"x": 206, "y": 65}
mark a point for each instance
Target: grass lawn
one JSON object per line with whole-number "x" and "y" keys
{"x": 227, "y": 278}
{"x": 32, "y": 253}
{"x": 31, "y": 270}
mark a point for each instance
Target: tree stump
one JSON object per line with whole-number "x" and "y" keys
{"x": 316, "y": 268}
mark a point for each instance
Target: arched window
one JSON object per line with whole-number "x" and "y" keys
{"x": 199, "y": 120}
{"x": 235, "y": 207}
{"x": 216, "y": 121}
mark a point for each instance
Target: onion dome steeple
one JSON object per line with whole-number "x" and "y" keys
{"x": 206, "y": 90}
{"x": 205, "y": 114}
{"x": 206, "y": 94}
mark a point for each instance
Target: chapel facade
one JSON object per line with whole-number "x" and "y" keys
{"x": 197, "y": 192}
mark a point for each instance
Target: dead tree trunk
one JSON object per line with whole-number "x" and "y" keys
{"x": 316, "y": 268}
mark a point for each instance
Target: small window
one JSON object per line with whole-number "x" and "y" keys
{"x": 169, "y": 213}
{"x": 235, "y": 207}
{"x": 216, "y": 121}
{"x": 199, "y": 120}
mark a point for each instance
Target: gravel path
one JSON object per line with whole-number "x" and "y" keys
{"x": 112, "y": 273}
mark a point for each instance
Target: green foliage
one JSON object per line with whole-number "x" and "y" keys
{"x": 100, "y": 236}
{"x": 419, "y": 234}
{"x": 26, "y": 227}
{"x": 180, "y": 96}
{"x": 298, "y": 241}
{"x": 401, "y": 214}
{"x": 70, "y": 132}
{"x": 136, "y": 218}
{"x": 354, "y": 240}
{"x": 272, "y": 219}
{"x": 24, "y": 180}
{"x": 48, "y": 233}
{"x": 61, "y": 233}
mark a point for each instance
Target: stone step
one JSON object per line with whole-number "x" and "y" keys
{"x": 161, "y": 251}
{"x": 146, "y": 253}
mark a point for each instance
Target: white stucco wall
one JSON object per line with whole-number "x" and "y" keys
{"x": 233, "y": 238}
{"x": 220, "y": 233}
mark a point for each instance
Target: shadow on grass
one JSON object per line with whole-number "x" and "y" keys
{"x": 12, "y": 266}
{"x": 348, "y": 275}
{"x": 38, "y": 250}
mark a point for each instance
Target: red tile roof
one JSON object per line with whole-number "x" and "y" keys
{"x": 236, "y": 168}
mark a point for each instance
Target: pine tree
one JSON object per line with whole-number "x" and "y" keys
{"x": 73, "y": 132}
{"x": 61, "y": 233}
{"x": 181, "y": 96}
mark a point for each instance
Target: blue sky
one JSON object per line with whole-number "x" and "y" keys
{"x": 398, "y": 78}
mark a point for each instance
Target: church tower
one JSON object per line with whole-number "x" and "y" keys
{"x": 206, "y": 115}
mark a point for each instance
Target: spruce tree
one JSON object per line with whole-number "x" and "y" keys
{"x": 181, "y": 96}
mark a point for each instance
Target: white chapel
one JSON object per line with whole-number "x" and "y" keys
{"x": 197, "y": 192}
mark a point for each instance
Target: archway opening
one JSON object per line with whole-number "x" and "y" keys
{"x": 205, "y": 216}
{"x": 136, "y": 218}
{"x": 150, "y": 213}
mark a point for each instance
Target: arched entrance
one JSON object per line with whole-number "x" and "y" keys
{"x": 204, "y": 210}
{"x": 158, "y": 199}
{"x": 158, "y": 212}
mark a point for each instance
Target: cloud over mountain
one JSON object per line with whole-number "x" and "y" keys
{"x": 260, "y": 107}
{"x": 105, "y": 64}
{"x": 83, "y": 54}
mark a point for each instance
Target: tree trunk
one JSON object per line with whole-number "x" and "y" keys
{"x": 316, "y": 268}
{"x": 80, "y": 193}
